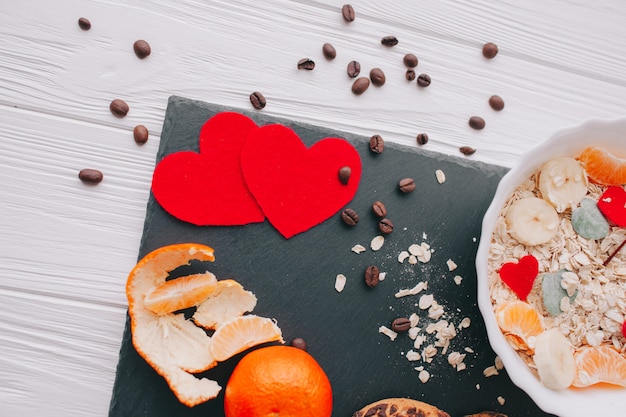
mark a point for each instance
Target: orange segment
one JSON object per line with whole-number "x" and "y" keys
{"x": 519, "y": 321}
{"x": 601, "y": 364}
{"x": 180, "y": 293}
{"x": 241, "y": 333}
{"x": 228, "y": 301}
{"x": 603, "y": 167}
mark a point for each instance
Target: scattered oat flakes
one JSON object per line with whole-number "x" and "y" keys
{"x": 441, "y": 177}
{"x": 498, "y": 363}
{"x": 421, "y": 286}
{"x": 458, "y": 279}
{"x": 465, "y": 323}
{"x": 388, "y": 332}
{"x": 412, "y": 355}
{"x": 451, "y": 265}
{"x": 461, "y": 367}
{"x": 413, "y": 260}
{"x": 377, "y": 242}
{"x": 340, "y": 282}
{"x": 358, "y": 249}
{"x": 468, "y": 350}
{"x": 382, "y": 276}
{"x": 424, "y": 376}
{"x": 490, "y": 371}
{"x": 477, "y": 386}
{"x": 419, "y": 341}
{"x": 501, "y": 400}
{"x": 402, "y": 256}
{"x": 426, "y": 301}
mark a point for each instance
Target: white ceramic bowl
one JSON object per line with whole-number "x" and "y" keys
{"x": 571, "y": 402}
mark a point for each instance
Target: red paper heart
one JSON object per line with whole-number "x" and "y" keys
{"x": 298, "y": 188}
{"x": 520, "y": 276}
{"x": 208, "y": 188}
{"x": 612, "y": 204}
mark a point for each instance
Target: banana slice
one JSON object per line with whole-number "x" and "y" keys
{"x": 554, "y": 359}
{"x": 532, "y": 221}
{"x": 563, "y": 183}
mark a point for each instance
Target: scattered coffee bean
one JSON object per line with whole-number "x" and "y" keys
{"x": 377, "y": 76}
{"x": 410, "y": 60}
{"x": 360, "y": 85}
{"x": 496, "y": 103}
{"x": 410, "y": 74}
{"x": 354, "y": 69}
{"x": 347, "y": 11}
{"x": 467, "y": 150}
{"x": 142, "y": 48}
{"x": 423, "y": 80}
{"x": 119, "y": 107}
{"x": 490, "y": 50}
{"x": 349, "y": 217}
{"x": 140, "y": 134}
{"x": 344, "y": 175}
{"x": 306, "y": 64}
{"x": 90, "y": 176}
{"x": 401, "y": 324}
{"x": 258, "y": 100}
{"x": 84, "y": 23}
{"x": 389, "y": 41}
{"x": 476, "y": 122}
{"x": 422, "y": 139}
{"x": 299, "y": 343}
{"x": 329, "y": 51}
{"x": 385, "y": 226}
{"x": 406, "y": 185}
{"x": 372, "y": 276}
{"x": 379, "y": 209}
{"x": 377, "y": 144}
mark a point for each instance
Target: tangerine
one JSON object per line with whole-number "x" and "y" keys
{"x": 241, "y": 333}
{"x": 519, "y": 321}
{"x": 603, "y": 167}
{"x": 180, "y": 293}
{"x": 278, "y": 381}
{"x": 600, "y": 364}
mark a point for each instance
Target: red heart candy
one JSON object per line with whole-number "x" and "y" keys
{"x": 612, "y": 204}
{"x": 208, "y": 188}
{"x": 298, "y": 187}
{"x": 520, "y": 276}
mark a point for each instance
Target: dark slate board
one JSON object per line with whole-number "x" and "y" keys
{"x": 294, "y": 281}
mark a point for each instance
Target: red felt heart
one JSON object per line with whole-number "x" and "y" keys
{"x": 520, "y": 276}
{"x": 207, "y": 188}
{"x": 298, "y": 187}
{"x": 612, "y": 204}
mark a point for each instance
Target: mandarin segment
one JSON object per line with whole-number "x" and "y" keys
{"x": 600, "y": 364}
{"x": 241, "y": 333}
{"x": 519, "y": 321}
{"x": 228, "y": 301}
{"x": 180, "y": 293}
{"x": 603, "y": 167}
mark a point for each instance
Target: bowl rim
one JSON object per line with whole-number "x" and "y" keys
{"x": 566, "y": 141}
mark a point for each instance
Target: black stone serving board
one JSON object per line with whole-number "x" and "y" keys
{"x": 294, "y": 279}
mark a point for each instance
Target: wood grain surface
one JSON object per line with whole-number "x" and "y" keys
{"x": 66, "y": 248}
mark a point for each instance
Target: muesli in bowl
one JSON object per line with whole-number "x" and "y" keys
{"x": 552, "y": 275}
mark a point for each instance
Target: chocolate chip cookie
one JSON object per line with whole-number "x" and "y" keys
{"x": 400, "y": 407}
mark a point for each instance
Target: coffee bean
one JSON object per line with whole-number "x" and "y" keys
{"x": 258, "y": 100}
{"x": 379, "y": 209}
{"x": 329, "y": 51}
{"x": 377, "y": 144}
{"x": 410, "y": 74}
{"x": 372, "y": 276}
{"x": 377, "y": 76}
{"x": 142, "y": 48}
{"x": 360, "y": 85}
{"x": 490, "y": 50}
{"x": 299, "y": 343}
{"x": 423, "y": 80}
{"x": 401, "y": 324}
{"x": 84, "y": 23}
{"x": 422, "y": 139}
{"x": 476, "y": 122}
{"x": 406, "y": 185}
{"x": 347, "y": 11}
{"x": 90, "y": 176}
{"x": 344, "y": 175}
{"x": 385, "y": 226}
{"x": 410, "y": 60}
{"x": 467, "y": 150}
{"x": 349, "y": 217}
{"x": 119, "y": 107}
{"x": 354, "y": 69}
{"x": 140, "y": 134}
{"x": 306, "y": 64}
{"x": 389, "y": 41}
{"x": 496, "y": 103}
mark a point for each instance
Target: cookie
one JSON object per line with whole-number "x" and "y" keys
{"x": 400, "y": 407}
{"x": 487, "y": 414}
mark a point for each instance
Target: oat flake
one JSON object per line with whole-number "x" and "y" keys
{"x": 377, "y": 242}
{"x": 340, "y": 282}
{"x": 358, "y": 249}
{"x": 441, "y": 177}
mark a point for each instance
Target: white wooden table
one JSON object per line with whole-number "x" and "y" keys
{"x": 66, "y": 248}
